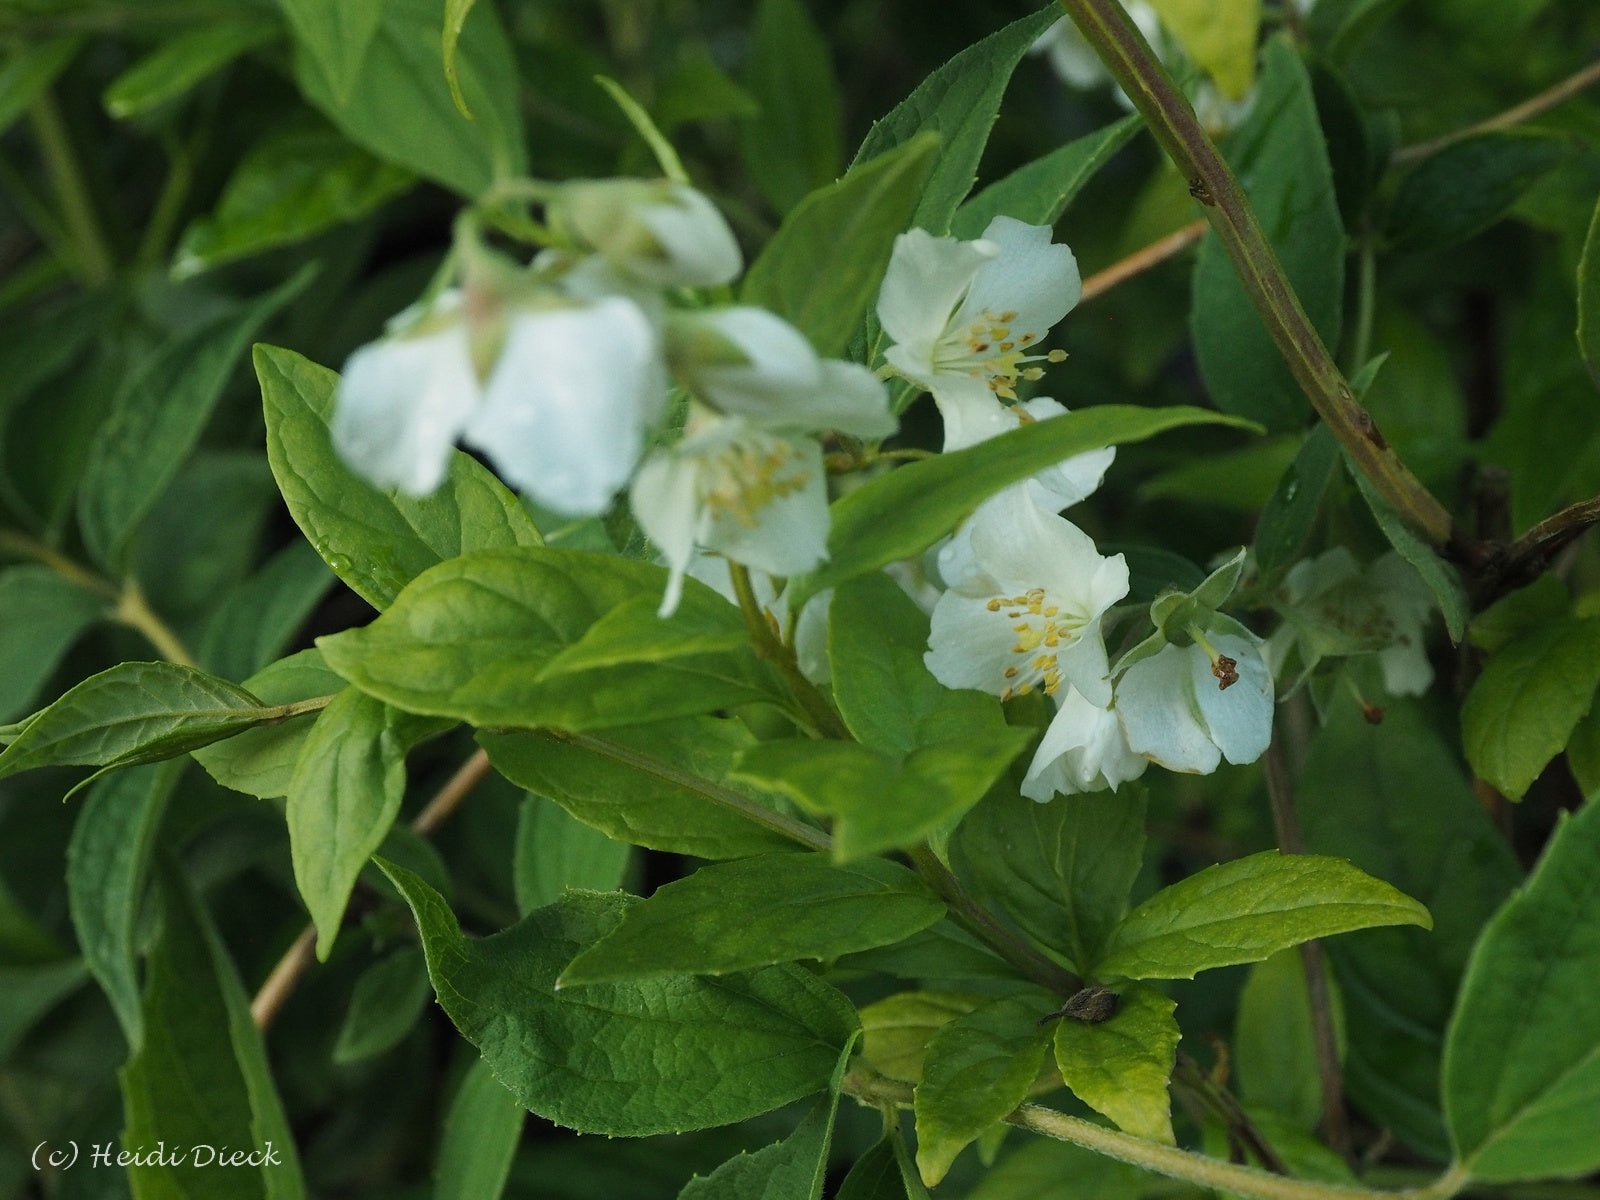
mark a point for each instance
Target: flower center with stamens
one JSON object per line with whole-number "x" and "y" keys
{"x": 989, "y": 349}
{"x": 743, "y": 477}
{"x": 1043, "y": 631}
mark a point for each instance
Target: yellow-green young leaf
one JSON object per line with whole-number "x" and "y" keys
{"x": 876, "y": 639}
{"x": 43, "y": 614}
{"x": 376, "y": 541}
{"x": 1220, "y": 35}
{"x": 959, "y": 102}
{"x": 134, "y": 713}
{"x": 1588, "y": 298}
{"x": 1040, "y": 191}
{"x": 1274, "y": 1041}
{"x": 28, "y": 70}
{"x": 822, "y": 269}
{"x": 793, "y": 145}
{"x": 978, "y": 1068}
{"x": 556, "y": 851}
{"x": 396, "y": 101}
{"x": 385, "y": 1006}
{"x": 260, "y": 762}
{"x": 157, "y": 417}
{"x": 1522, "y": 1055}
{"x": 1532, "y": 694}
{"x": 652, "y": 785}
{"x": 881, "y": 801}
{"x": 792, "y": 1169}
{"x": 201, "y": 1077}
{"x": 629, "y": 1060}
{"x": 1121, "y": 1067}
{"x": 1282, "y": 161}
{"x": 897, "y": 1029}
{"x": 1245, "y": 910}
{"x": 481, "y": 1133}
{"x": 758, "y": 911}
{"x": 479, "y": 639}
{"x": 1063, "y": 870}
{"x": 286, "y": 188}
{"x": 455, "y": 16}
{"x": 901, "y": 514}
{"x": 108, "y": 865}
{"x": 182, "y": 63}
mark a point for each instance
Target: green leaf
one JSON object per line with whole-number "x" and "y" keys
{"x": 1274, "y": 1040}
{"x": 1520, "y": 613}
{"x": 1290, "y": 515}
{"x": 1589, "y": 299}
{"x": 134, "y": 713}
{"x": 556, "y": 851}
{"x": 477, "y": 639}
{"x": 1441, "y": 578}
{"x": 979, "y": 1067}
{"x": 1522, "y": 1055}
{"x": 201, "y": 1077}
{"x": 1121, "y": 1067}
{"x": 28, "y": 71}
{"x": 27, "y": 994}
{"x": 108, "y": 865}
{"x": 336, "y": 37}
{"x": 632, "y": 632}
{"x": 258, "y": 620}
{"x": 959, "y": 102}
{"x": 1282, "y": 161}
{"x": 1219, "y": 36}
{"x": 591, "y": 1060}
{"x": 1040, "y": 191}
{"x": 902, "y": 513}
{"x": 376, "y": 541}
{"x": 881, "y": 801}
{"x": 891, "y": 702}
{"x": 1468, "y": 186}
{"x": 392, "y": 96}
{"x": 43, "y": 615}
{"x": 757, "y": 911}
{"x": 156, "y": 419}
{"x": 644, "y": 784}
{"x": 897, "y": 1029}
{"x": 286, "y": 188}
{"x": 876, "y": 1175}
{"x": 1532, "y": 694}
{"x": 456, "y": 13}
{"x": 794, "y": 146}
{"x": 792, "y": 1169}
{"x": 822, "y": 269}
{"x": 1438, "y": 845}
{"x": 481, "y": 1133}
{"x": 1063, "y": 870}
{"x": 1583, "y": 753}
{"x": 1242, "y": 911}
{"x": 344, "y": 795}
{"x": 260, "y": 762}
{"x": 387, "y": 1004}
{"x": 178, "y": 65}
{"x": 1042, "y": 1169}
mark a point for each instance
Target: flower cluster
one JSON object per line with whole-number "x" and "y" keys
{"x": 559, "y": 372}
{"x": 1028, "y": 593}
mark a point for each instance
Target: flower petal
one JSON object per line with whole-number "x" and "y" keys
{"x": 1077, "y": 478}
{"x": 665, "y": 502}
{"x": 1238, "y": 718}
{"x": 1031, "y": 276}
{"x": 1156, "y": 705}
{"x": 779, "y": 523}
{"x": 969, "y": 645}
{"x": 926, "y": 280}
{"x": 742, "y": 360}
{"x": 1083, "y": 750}
{"x": 402, "y": 403}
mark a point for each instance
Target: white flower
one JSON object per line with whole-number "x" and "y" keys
{"x": 403, "y": 401}
{"x": 1084, "y": 750}
{"x": 652, "y": 232}
{"x": 1029, "y": 617}
{"x": 1405, "y": 597}
{"x": 1061, "y": 486}
{"x": 967, "y": 317}
{"x": 1188, "y": 707}
{"x": 562, "y": 414}
{"x": 747, "y": 480}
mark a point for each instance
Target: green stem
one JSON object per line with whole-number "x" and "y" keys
{"x": 134, "y": 612}
{"x": 771, "y": 647}
{"x": 96, "y": 266}
{"x": 1134, "y": 65}
{"x": 20, "y": 545}
{"x": 168, "y": 208}
{"x": 1532, "y": 107}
